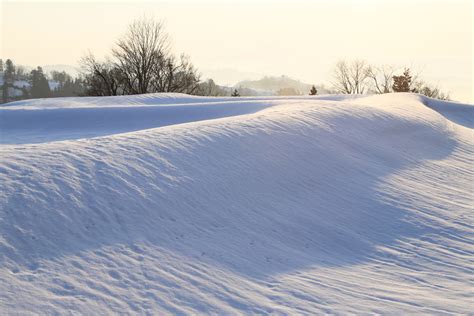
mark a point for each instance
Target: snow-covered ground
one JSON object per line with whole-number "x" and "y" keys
{"x": 179, "y": 204}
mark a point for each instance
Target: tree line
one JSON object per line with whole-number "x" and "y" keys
{"x": 142, "y": 62}
{"x": 359, "y": 77}
{"x": 17, "y": 83}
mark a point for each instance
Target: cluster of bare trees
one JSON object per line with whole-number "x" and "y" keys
{"x": 141, "y": 62}
{"x": 359, "y": 77}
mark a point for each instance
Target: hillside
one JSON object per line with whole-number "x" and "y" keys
{"x": 179, "y": 204}
{"x": 274, "y": 85}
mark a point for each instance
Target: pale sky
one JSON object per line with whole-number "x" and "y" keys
{"x": 231, "y": 40}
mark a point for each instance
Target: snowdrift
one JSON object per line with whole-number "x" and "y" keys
{"x": 179, "y": 204}
{"x": 74, "y": 118}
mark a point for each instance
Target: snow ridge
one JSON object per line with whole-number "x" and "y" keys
{"x": 291, "y": 205}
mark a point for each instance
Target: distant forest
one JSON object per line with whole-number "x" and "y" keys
{"x": 142, "y": 62}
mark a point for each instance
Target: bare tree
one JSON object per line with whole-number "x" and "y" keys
{"x": 429, "y": 90}
{"x": 382, "y": 78}
{"x": 350, "y": 78}
{"x": 144, "y": 47}
{"x": 186, "y": 77}
{"x": 342, "y": 81}
{"x": 101, "y": 78}
{"x": 142, "y": 63}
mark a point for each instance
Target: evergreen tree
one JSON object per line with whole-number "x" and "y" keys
{"x": 402, "y": 83}
{"x": 39, "y": 84}
{"x": 8, "y": 79}
{"x": 313, "y": 91}
{"x": 62, "y": 78}
{"x": 235, "y": 93}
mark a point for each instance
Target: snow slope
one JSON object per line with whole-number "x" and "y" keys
{"x": 178, "y": 204}
{"x": 74, "y": 118}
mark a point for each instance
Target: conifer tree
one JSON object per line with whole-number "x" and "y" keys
{"x": 402, "y": 83}
{"x": 313, "y": 91}
{"x": 235, "y": 93}
{"x": 8, "y": 79}
{"x": 39, "y": 84}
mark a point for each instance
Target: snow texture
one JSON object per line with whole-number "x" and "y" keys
{"x": 157, "y": 204}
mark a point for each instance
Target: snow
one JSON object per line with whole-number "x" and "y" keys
{"x": 179, "y": 204}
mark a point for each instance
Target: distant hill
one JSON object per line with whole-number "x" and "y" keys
{"x": 246, "y": 92}
{"x": 279, "y": 85}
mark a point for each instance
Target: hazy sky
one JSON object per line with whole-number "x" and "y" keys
{"x": 231, "y": 40}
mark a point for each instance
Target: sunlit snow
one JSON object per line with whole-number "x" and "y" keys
{"x": 172, "y": 203}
